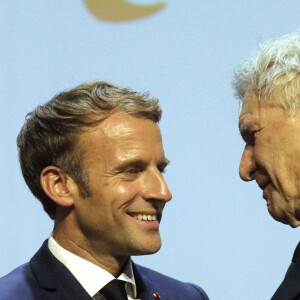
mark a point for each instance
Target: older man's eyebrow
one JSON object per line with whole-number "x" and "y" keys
{"x": 247, "y": 136}
{"x": 244, "y": 129}
{"x": 248, "y": 130}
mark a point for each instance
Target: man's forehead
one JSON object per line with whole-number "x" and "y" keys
{"x": 251, "y": 102}
{"x": 123, "y": 137}
{"x": 121, "y": 123}
{"x": 121, "y": 130}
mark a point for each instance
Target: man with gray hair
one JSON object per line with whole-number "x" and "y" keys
{"x": 269, "y": 86}
{"x": 94, "y": 158}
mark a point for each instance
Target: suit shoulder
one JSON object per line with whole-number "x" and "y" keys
{"x": 172, "y": 286}
{"x": 17, "y": 284}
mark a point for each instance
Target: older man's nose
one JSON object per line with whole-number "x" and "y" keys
{"x": 247, "y": 164}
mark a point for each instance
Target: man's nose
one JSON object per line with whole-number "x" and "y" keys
{"x": 247, "y": 164}
{"x": 156, "y": 188}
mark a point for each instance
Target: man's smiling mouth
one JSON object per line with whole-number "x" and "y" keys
{"x": 144, "y": 217}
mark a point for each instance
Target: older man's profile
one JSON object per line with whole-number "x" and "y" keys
{"x": 269, "y": 86}
{"x": 94, "y": 158}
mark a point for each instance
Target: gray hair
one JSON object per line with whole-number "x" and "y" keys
{"x": 274, "y": 73}
{"x": 50, "y": 133}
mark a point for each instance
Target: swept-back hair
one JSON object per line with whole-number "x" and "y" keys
{"x": 274, "y": 73}
{"x": 50, "y": 133}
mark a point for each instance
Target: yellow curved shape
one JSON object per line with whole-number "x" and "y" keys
{"x": 121, "y": 10}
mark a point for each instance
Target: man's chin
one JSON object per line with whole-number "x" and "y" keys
{"x": 283, "y": 217}
{"x": 147, "y": 248}
{"x": 277, "y": 214}
{"x": 293, "y": 223}
{"x": 142, "y": 253}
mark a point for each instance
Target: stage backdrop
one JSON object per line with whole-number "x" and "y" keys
{"x": 216, "y": 231}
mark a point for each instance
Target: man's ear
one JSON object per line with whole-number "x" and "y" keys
{"x": 58, "y": 186}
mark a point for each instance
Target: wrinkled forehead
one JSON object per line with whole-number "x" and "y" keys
{"x": 256, "y": 113}
{"x": 251, "y": 101}
{"x": 284, "y": 97}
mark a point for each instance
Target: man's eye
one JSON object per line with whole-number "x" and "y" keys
{"x": 253, "y": 137}
{"x": 250, "y": 137}
{"x": 255, "y": 133}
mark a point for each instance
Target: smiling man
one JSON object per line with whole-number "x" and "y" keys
{"x": 94, "y": 158}
{"x": 269, "y": 86}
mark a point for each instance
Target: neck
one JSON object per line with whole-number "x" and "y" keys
{"x": 81, "y": 247}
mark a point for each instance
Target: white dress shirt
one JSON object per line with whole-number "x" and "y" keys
{"x": 90, "y": 276}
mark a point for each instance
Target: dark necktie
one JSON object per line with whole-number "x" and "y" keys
{"x": 114, "y": 290}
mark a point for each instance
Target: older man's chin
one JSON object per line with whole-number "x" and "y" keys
{"x": 284, "y": 217}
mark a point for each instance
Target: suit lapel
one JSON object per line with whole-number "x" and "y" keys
{"x": 145, "y": 286}
{"x": 55, "y": 280}
{"x": 290, "y": 286}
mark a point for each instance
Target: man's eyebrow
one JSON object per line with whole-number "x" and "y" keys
{"x": 131, "y": 163}
{"x": 246, "y": 132}
{"x": 244, "y": 129}
{"x": 165, "y": 162}
{"x": 139, "y": 163}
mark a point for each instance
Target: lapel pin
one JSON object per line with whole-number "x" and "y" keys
{"x": 156, "y": 295}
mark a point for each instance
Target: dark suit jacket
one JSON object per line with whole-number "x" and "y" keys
{"x": 290, "y": 286}
{"x": 46, "y": 278}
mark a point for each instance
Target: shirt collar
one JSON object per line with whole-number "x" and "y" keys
{"x": 89, "y": 275}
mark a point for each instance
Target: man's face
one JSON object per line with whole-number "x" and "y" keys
{"x": 124, "y": 159}
{"x": 272, "y": 156}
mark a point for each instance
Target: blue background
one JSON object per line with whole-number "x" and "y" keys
{"x": 216, "y": 231}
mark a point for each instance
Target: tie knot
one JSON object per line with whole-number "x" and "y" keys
{"x": 114, "y": 290}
